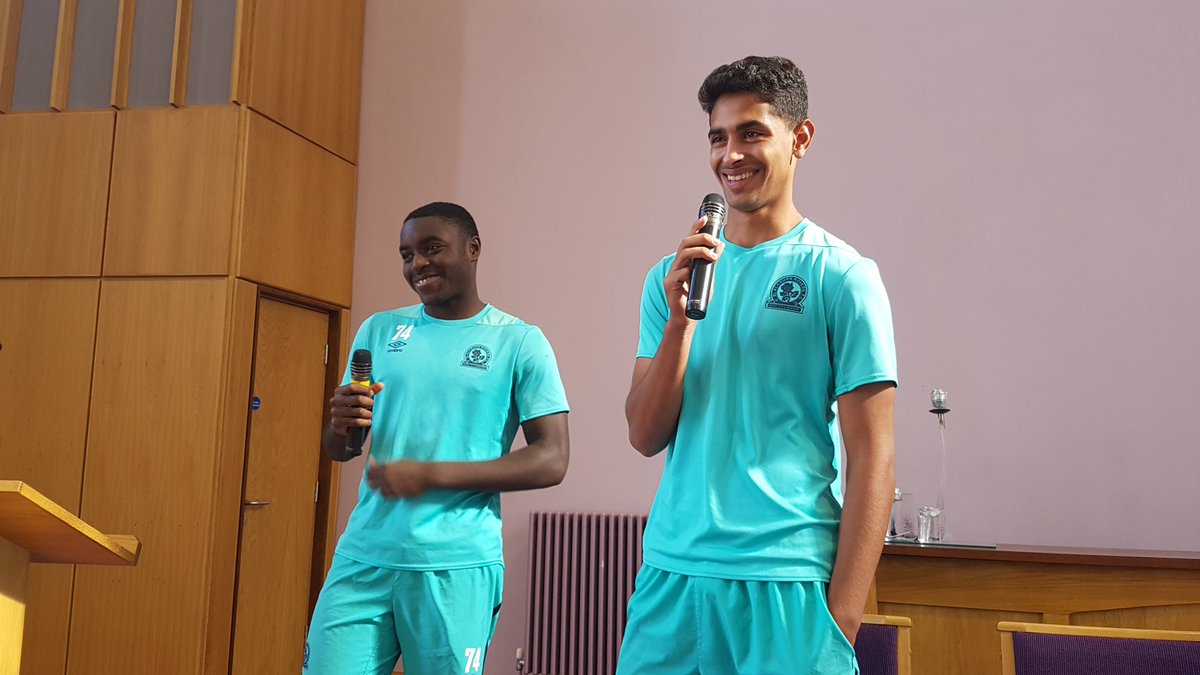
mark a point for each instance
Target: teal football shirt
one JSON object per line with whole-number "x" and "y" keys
{"x": 751, "y": 486}
{"x": 454, "y": 391}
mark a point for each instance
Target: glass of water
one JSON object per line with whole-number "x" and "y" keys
{"x": 929, "y": 525}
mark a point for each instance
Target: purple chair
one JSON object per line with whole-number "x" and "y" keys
{"x": 1049, "y": 649}
{"x": 883, "y": 645}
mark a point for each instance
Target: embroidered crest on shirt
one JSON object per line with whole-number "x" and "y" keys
{"x": 477, "y": 356}
{"x": 788, "y": 293}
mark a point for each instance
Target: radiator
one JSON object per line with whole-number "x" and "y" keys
{"x": 581, "y": 572}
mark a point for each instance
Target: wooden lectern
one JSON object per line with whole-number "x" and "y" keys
{"x": 34, "y": 529}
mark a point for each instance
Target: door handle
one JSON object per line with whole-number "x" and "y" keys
{"x": 256, "y": 503}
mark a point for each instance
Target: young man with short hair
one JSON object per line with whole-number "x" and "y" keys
{"x": 754, "y": 562}
{"x": 419, "y": 570}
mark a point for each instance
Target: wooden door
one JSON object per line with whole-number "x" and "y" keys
{"x": 282, "y": 462}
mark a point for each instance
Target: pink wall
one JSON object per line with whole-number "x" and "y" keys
{"x": 1025, "y": 175}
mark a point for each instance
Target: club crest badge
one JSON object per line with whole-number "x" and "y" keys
{"x": 477, "y": 356}
{"x": 788, "y": 293}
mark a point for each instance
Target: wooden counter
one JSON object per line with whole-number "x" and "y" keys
{"x": 955, "y": 596}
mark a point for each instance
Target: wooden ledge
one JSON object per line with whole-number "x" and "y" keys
{"x": 52, "y": 534}
{"x": 1103, "y": 557}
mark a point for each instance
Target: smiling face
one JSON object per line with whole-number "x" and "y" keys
{"x": 753, "y": 151}
{"x": 439, "y": 264}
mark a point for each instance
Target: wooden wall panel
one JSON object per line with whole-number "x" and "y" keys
{"x": 123, "y": 56}
{"x": 297, "y": 222}
{"x": 47, "y": 337}
{"x": 47, "y": 619}
{"x": 54, "y": 188}
{"x": 305, "y": 68}
{"x": 1172, "y": 617}
{"x": 10, "y": 32}
{"x": 172, "y": 202}
{"x": 64, "y": 48}
{"x": 231, "y": 453}
{"x": 972, "y": 632}
{"x": 150, "y": 471}
{"x": 181, "y": 53}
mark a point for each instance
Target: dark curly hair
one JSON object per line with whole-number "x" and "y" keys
{"x": 451, "y": 213}
{"x": 773, "y": 79}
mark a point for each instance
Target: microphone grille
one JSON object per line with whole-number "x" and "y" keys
{"x": 714, "y": 207}
{"x": 360, "y": 365}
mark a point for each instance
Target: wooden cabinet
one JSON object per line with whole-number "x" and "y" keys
{"x": 956, "y": 596}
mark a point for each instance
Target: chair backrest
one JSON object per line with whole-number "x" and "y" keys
{"x": 882, "y": 645}
{"x": 1049, "y": 649}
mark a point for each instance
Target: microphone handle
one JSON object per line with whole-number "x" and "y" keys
{"x": 701, "y": 284}
{"x": 356, "y": 437}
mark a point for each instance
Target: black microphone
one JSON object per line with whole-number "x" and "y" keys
{"x": 360, "y": 373}
{"x": 700, "y": 287}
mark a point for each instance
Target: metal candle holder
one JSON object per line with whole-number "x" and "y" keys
{"x": 939, "y": 400}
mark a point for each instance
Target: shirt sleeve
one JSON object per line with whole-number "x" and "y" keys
{"x": 654, "y": 311}
{"x": 860, "y": 330}
{"x": 539, "y": 387}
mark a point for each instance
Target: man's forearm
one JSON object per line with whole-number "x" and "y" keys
{"x": 652, "y": 408}
{"x": 869, "y": 490}
{"x": 537, "y": 465}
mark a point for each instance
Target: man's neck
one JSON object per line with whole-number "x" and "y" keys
{"x": 751, "y": 229}
{"x": 464, "y": 308}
